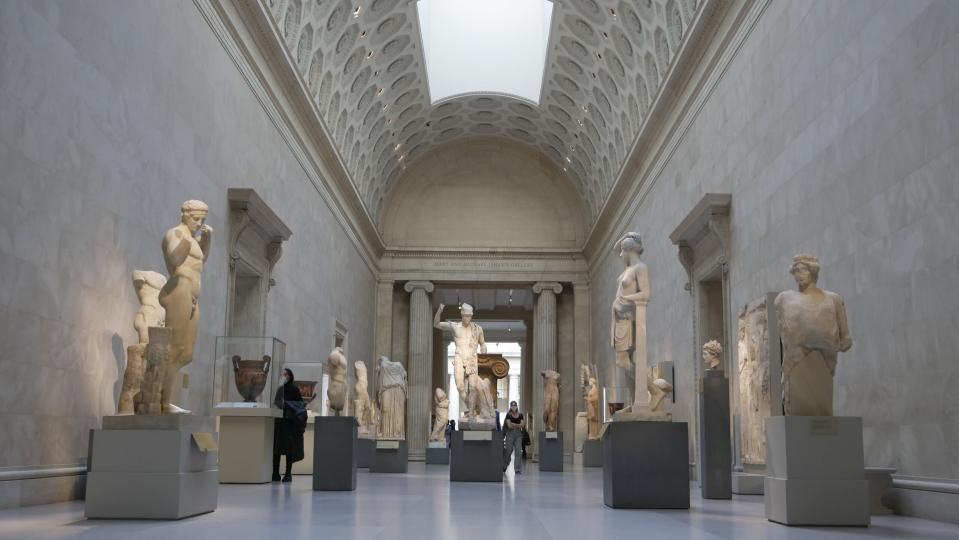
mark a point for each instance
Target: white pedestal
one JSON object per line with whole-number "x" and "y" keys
{"x": 150, "y": 467}
{"x": 580, "y": 428}
{"x": 815, "y": 473}
{"x": 748, "y": 483}
{"x": 305, "y": 465}
{"x": 246, "y": 444}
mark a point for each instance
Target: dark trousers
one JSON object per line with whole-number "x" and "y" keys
{"x": 276, "y": 465}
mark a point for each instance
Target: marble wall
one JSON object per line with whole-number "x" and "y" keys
{"x": 835, "y": 128}
{"x": 113, "y": 114}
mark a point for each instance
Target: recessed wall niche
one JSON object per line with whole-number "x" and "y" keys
{"x": 256, "y": 238}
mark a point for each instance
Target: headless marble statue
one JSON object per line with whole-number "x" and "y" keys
{"x": 147, "y": 285}
{"x": 336, "y": 393}
{"x": 813, "y": 328}
{"x": 441, "y": 415}
{"x": 362, "y": 407}
{"x": 550, "y": 399}
{"x": 392, "y": 398}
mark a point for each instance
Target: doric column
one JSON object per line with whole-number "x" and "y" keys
{"x": 544, "y": 343}
{"x": 418, "y": 368}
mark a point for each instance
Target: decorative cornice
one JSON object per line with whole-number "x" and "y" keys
{"x": 481, "y": 253}
{"x": 718, "y": 34}
{"x": 250, "y": 38}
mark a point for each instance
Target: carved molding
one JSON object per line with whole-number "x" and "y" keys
{"x": 707, "y": 223}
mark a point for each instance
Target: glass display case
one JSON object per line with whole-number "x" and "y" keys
{"x": 308, "y": 378}
{"x": 247, "y": 371}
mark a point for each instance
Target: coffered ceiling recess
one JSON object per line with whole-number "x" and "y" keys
{"x": 363, "y": 64}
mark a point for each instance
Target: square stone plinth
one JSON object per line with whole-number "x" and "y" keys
{"x": 715, "y": 452}
{"x": 334, "y": 453}
{"x": 646, "y": 465}
{"x": 815, "y": 473}
{"x": 437, "y": 454}
{"x": 476, "y": 456}
{"x": 551, "y": 451}
{"x": 364, "y": 452}
{"x": 390, "y": 457}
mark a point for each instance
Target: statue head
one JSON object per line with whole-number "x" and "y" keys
{"x": 712, "y": 351}
{"x": 193, "y": 213}
{"x": 805, "y": 269}
{"x": 384, "y": 360}
{"x": 466, "y": 311}
{"x": 439, "y": 395}
{"x": 630, "y": 246}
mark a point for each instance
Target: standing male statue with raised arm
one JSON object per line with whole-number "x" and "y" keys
{"x": 468, "y": 336}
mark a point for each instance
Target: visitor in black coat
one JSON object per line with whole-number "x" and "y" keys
{"x": 288, "y": 431}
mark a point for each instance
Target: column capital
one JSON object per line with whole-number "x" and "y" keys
{"x": 380, "y": 281}
{"x": 547, "y": 286}
{"x": 411, "y": 286}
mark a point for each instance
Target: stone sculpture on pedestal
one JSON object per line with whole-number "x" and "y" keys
{"x": 550, "y": 399}
{"x": 468, "y": 336}
{"x": 392, "y": 398}
{"x": 441, "y": 415}
{"x": 592, "y": 410}
{"x": 147, "y": 285}
{"x": 362, "y": 407}
{"x": 628, "y": 336}
{"x": 336, "y": 393}
{"x": 813, "y": 329}
{"x": 658, "y": 389}
{"x": 185, "y": 248}
{"x": 712, "y": 354}
{"x": 754, "y": 383}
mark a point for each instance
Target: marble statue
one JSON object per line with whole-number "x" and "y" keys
{"x": 754, "y": 390}
{"x": 336, "y": 393}
{"x": 185, "y": 248}
{"x": 362, "y": 407}
{"x": 441, "y": 415}
{"x": 658, "y": 389}
{"x": 628, "y": 335}
{"x": 468, "y": 336}
{"x": 813, "y": 329}
{"x": 157, "y": 362}
{"x": 392, "y": 398}
{"x": 712, "y": 354}
{"x": 592, "y": 409}
{"x": 550, "y": 400}
{"x": 147, "y": 285}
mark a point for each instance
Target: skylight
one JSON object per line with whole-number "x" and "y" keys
{"x": 485, "y": 46}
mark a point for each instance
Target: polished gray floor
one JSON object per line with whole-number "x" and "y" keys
{"x": 422, "y": 504}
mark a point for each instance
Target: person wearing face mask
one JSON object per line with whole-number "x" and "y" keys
{"x": 288, "y": 430}
{"x": 514, "y": 425}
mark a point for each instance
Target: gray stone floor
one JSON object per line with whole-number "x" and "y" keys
{"x": 422, "y": 504}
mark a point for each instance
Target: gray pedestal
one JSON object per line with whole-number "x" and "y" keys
{"x": 438, "y": 455}
{"x": 745, "y": 483}
{"x": 476, "y": 456}
{"x": 551, "y": 451}
{"x": 364, "y": 452}
{"x": 646, "y": 465}
{"x": 334, "y": 453}
{"x": 593, "y": 453}
{"x": 815, "y": 473}
{"x": 715, "y": 452}
{"x": 150, "y": 467}
{"x": 390, "y": 457}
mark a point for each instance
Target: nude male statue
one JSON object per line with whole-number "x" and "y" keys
{"x": 468, "y": 336}
{"x": 185, "y": 248}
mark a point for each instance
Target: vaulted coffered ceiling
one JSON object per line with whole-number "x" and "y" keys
{"x": 363, "y": 64}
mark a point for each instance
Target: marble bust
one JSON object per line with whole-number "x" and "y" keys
{"x": 468, "y": 337}
{"x": 336, "y": 393}
{"x": 813, "y": 329}
{"x": 392, "y": 398}
{"x": 185, "y": 249}
{"x": 550, "y": 399}
{"x": 441, "y": 415}
{"x": 712, "y": 354}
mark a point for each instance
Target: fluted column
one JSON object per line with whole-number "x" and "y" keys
{"x": 544, "y": 343}
{"x": 418, "y": 368}
{"x": 514, "y": 389}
